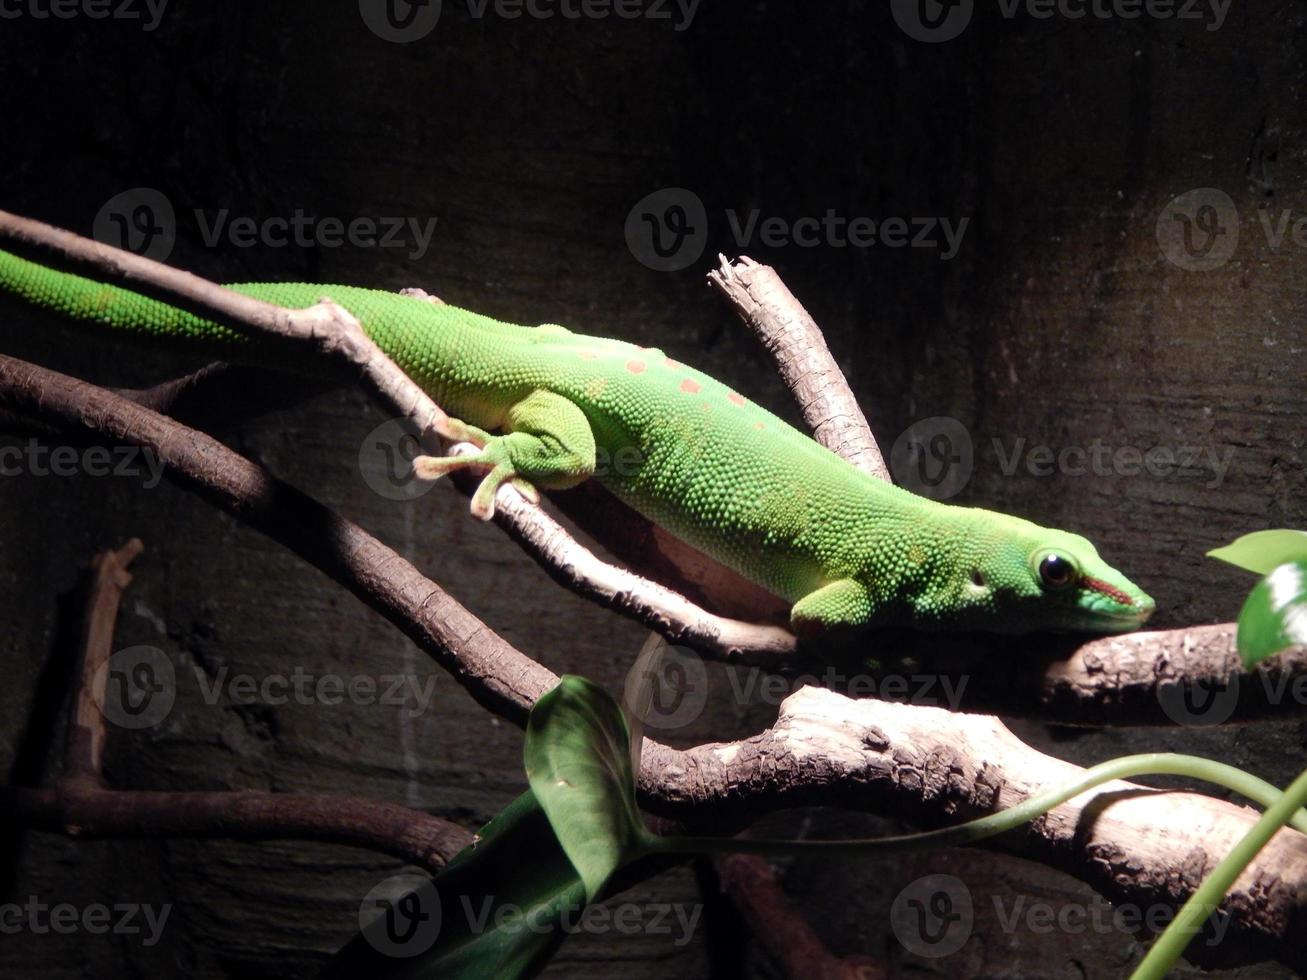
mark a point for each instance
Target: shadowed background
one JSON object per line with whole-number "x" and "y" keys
{"x": 1060, "y": 322}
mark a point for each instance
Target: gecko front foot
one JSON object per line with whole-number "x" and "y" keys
{"x": 483, "y": 500}
{"x": 547, "y": 443}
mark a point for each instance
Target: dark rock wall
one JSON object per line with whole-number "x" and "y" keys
{"x": 1060, "y": 322}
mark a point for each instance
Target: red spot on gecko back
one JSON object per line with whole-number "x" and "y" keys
{"x": 588, "y": 355}
{"x": 690, "y": 386}
{"x": 674, "y": 365}
{"x": 736, "y": 399}
{"x": 635, "y": 367}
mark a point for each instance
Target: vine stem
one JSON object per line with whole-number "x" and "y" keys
{"x": 1173, "y": 942}
{"x": 1144, "y": 764}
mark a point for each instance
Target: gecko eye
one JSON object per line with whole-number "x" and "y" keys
{"x": 1056, "y": 572}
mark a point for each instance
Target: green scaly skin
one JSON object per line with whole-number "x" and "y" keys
{"x": 686, "y": 451}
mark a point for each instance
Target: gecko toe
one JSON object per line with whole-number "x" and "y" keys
{"x": 434, "y": 467}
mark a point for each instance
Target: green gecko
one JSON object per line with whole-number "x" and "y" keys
{"x": 550, "y": 408}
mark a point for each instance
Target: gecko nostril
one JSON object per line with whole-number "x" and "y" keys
{"x": 978, "y": 578}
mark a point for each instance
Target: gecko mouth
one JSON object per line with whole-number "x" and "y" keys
{"x": 1107, "y": 589}
{"x": 1120, "y": 607}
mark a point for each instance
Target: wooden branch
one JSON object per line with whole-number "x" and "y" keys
{"x": 936, "y": 767}
{"x": 783, "y": 930}
{"x": 805, "y": 364}
{"x": 932, "y": 766}
{"x": 830, "y": 750}
{"x": 82, "y": 806}
{"x": 90, "y": 813}
{"x": 669, "y": 613}
{"x": 328, "y": 329}
{"x": 804, "y": 361}
{"x": 835, "y": 420}
{"x": 84, "y": 744}
{"x": 1100, "y": 682}
{"x": 1142, "y": 678}
{"x": 334, "y": 333}
{"x": 498, "y": 676}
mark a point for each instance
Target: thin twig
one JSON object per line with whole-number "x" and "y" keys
{"x": 804, "y": 361}
{"x": 751, "y": 884}
{"x": 327, "y": 327}
{"x": 335, "y": 333}
{"x": 84, "y": 746}
{"x": 820, "y": 751}
{"x": 672, "y": 615}
{"x": 930, "y": 765}
{"x": 498, "y": 676}
{"x": 81, "y": 806}
{"x": 1101, "y": 682}
{"x": 1142, "y": 678}
{"x": 87, "y": 812}
{"x": 933, "y": 767}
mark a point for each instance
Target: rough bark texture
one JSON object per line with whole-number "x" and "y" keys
{"x": 1059, "y": 323}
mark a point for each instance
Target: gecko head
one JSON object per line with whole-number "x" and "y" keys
{"x": 1029, "y": 578}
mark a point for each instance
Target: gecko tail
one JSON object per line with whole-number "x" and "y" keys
{"x": 89, "y": 301}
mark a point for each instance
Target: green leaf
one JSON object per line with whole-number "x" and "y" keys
{"x": 499, "y": 910}
{"x": 578, "y": 761}
{"x": 1264, "y": 551}
{"x": 1275, "y": 616}
{"x": 504, "y": 904}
